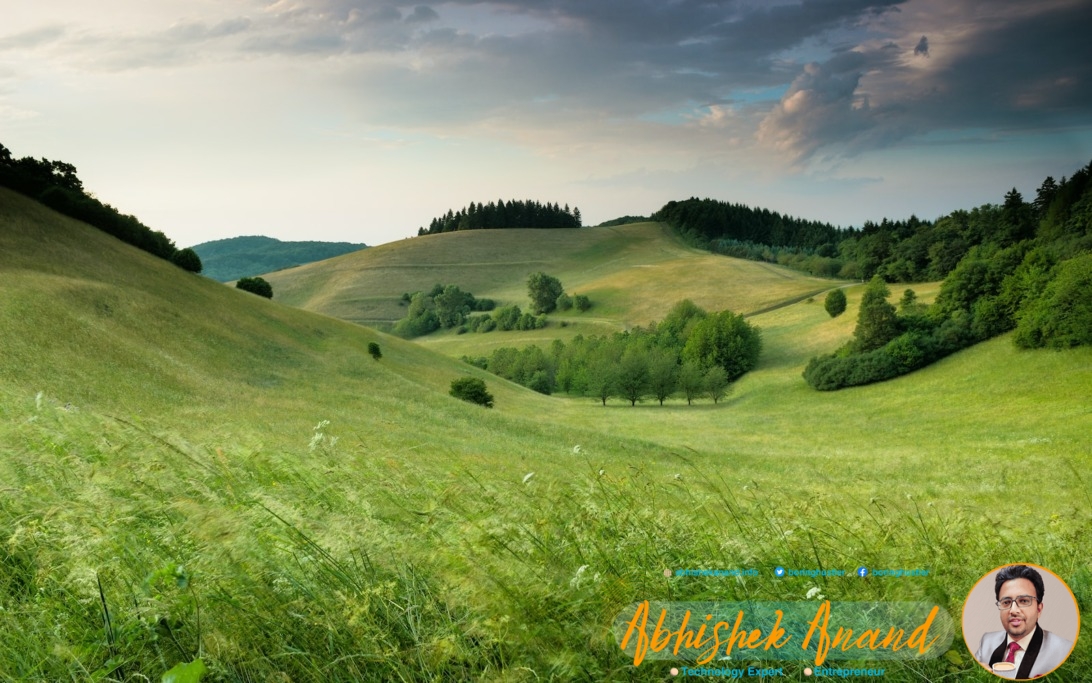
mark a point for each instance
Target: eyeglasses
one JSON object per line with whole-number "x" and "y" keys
{"x": 1021, "y": 600}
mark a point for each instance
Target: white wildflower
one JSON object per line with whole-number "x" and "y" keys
{"x": 678, "y": 476}
{"x": 602, "y": 472}
{"x": 576, "y": 448}
{"x": 575, "y": 581}
{"x": 527, "y": 477}
{"x": 816, "y": 593}
{"x": 38, "y": 401}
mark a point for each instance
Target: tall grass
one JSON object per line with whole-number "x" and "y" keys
{"x": 328, "y": 564}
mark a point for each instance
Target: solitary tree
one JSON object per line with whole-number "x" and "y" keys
{"x": 187, "y": 259}
{"x": 373, "y": 349}
{"x": 835, "y": 303}
{"x": 544, "y": 290}
{"x": 581, "y": 302}
{"x": 473, "y": 390}
{"x": 255, "y": 285}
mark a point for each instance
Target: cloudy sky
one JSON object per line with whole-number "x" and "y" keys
{"x": 360, "y": 120}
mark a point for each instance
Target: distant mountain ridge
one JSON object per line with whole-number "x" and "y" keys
{"x": 230, "y": 259}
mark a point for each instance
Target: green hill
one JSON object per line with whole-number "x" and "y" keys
{"x": 633, "y": 275}
{"x": 189, "y": 470}
{"x": 236, "y": 257}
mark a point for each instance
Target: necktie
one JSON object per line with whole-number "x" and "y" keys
{"x": 1013, "y": 647}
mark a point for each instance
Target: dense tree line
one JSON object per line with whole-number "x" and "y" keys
{"x": 690, "y": 353}
{"x": 911, "y": 250}
{"x": 55, "y": 184}
{"x": 1031, "y": 273}
{"x": 505, "y": 214}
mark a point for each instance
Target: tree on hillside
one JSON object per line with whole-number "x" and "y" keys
{"x": 835, "y": 303}
{"x": 663, "y": 373}
{"x": 255, "y": 285}
{"x": 716, "y": 383}
{"x": 691, "y": 380}
{"x": 724, "y": 339}
{"x": 544, "y": 290}
{"x": 877, "y": 322}
{"x": 632, "y": 378}
{"x": 602, "y": 373}
{"x": 373, "y": 350}
{"x": 187, "y": 259}
{"x": 453, "y": 305}
{"x": 582, "y": 302}
{"x": 473, "y": 390}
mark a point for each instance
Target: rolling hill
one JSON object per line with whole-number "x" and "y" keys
{"x": 230, "y": 259}
{"x": 187, "y": 470}
{"x": 632, "y": 273}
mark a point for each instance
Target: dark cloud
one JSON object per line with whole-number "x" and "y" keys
{"x": 852, "y": 68}
{"x": 922, "y": 48}
{"x": 422, "y": 14}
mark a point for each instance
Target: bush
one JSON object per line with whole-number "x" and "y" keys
{"x": 187, "y": 259}
{"x": 581, "y": 302}
{"x": 373, "y": 349}
{"x": 564, "y": 302}
{"x": 835, "y": 303}
{"x": 473, "y": 390}
{"x": 255, "y": 285}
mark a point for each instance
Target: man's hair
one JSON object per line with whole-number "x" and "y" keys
{"x": 1019, "y": 571}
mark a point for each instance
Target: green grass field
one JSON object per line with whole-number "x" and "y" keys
{"x": 633, "y": 275}
{"x": 243, "y": 483}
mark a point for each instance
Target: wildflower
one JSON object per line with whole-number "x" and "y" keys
{"x": 602, "y": 472}
{"x": 527, "y": 477}
{"x": 576, "y": 448}
{"x": 575, "y": 581}
{"x": 816, "y": 593}
{"x": 678, "y": 476}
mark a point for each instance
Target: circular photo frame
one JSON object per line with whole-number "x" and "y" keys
{"x": 1026, "y": 641}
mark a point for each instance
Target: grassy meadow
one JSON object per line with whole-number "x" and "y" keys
{"x": 632, "y": 273}
{"x": 187, "y": 470}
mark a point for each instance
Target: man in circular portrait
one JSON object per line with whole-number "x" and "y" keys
{"x": 1023, "y": 646}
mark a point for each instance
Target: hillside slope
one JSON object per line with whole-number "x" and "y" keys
{"x": 633, "y": 274}
{"x": 243, "y": 483}
{"x": 230, "y": 259}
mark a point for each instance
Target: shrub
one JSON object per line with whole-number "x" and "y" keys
{"x": 255, "y": 285}
{"x": 473, "y": 390}
{"x": 564, "y": 302}
{"x": 187, "y": 259}
{"x": 581, "y": 302}
{"x": 835, "y": 303}
{"x": 373, "y": 349}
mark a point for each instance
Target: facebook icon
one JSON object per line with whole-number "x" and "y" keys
{"x": 862, "y": 572}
